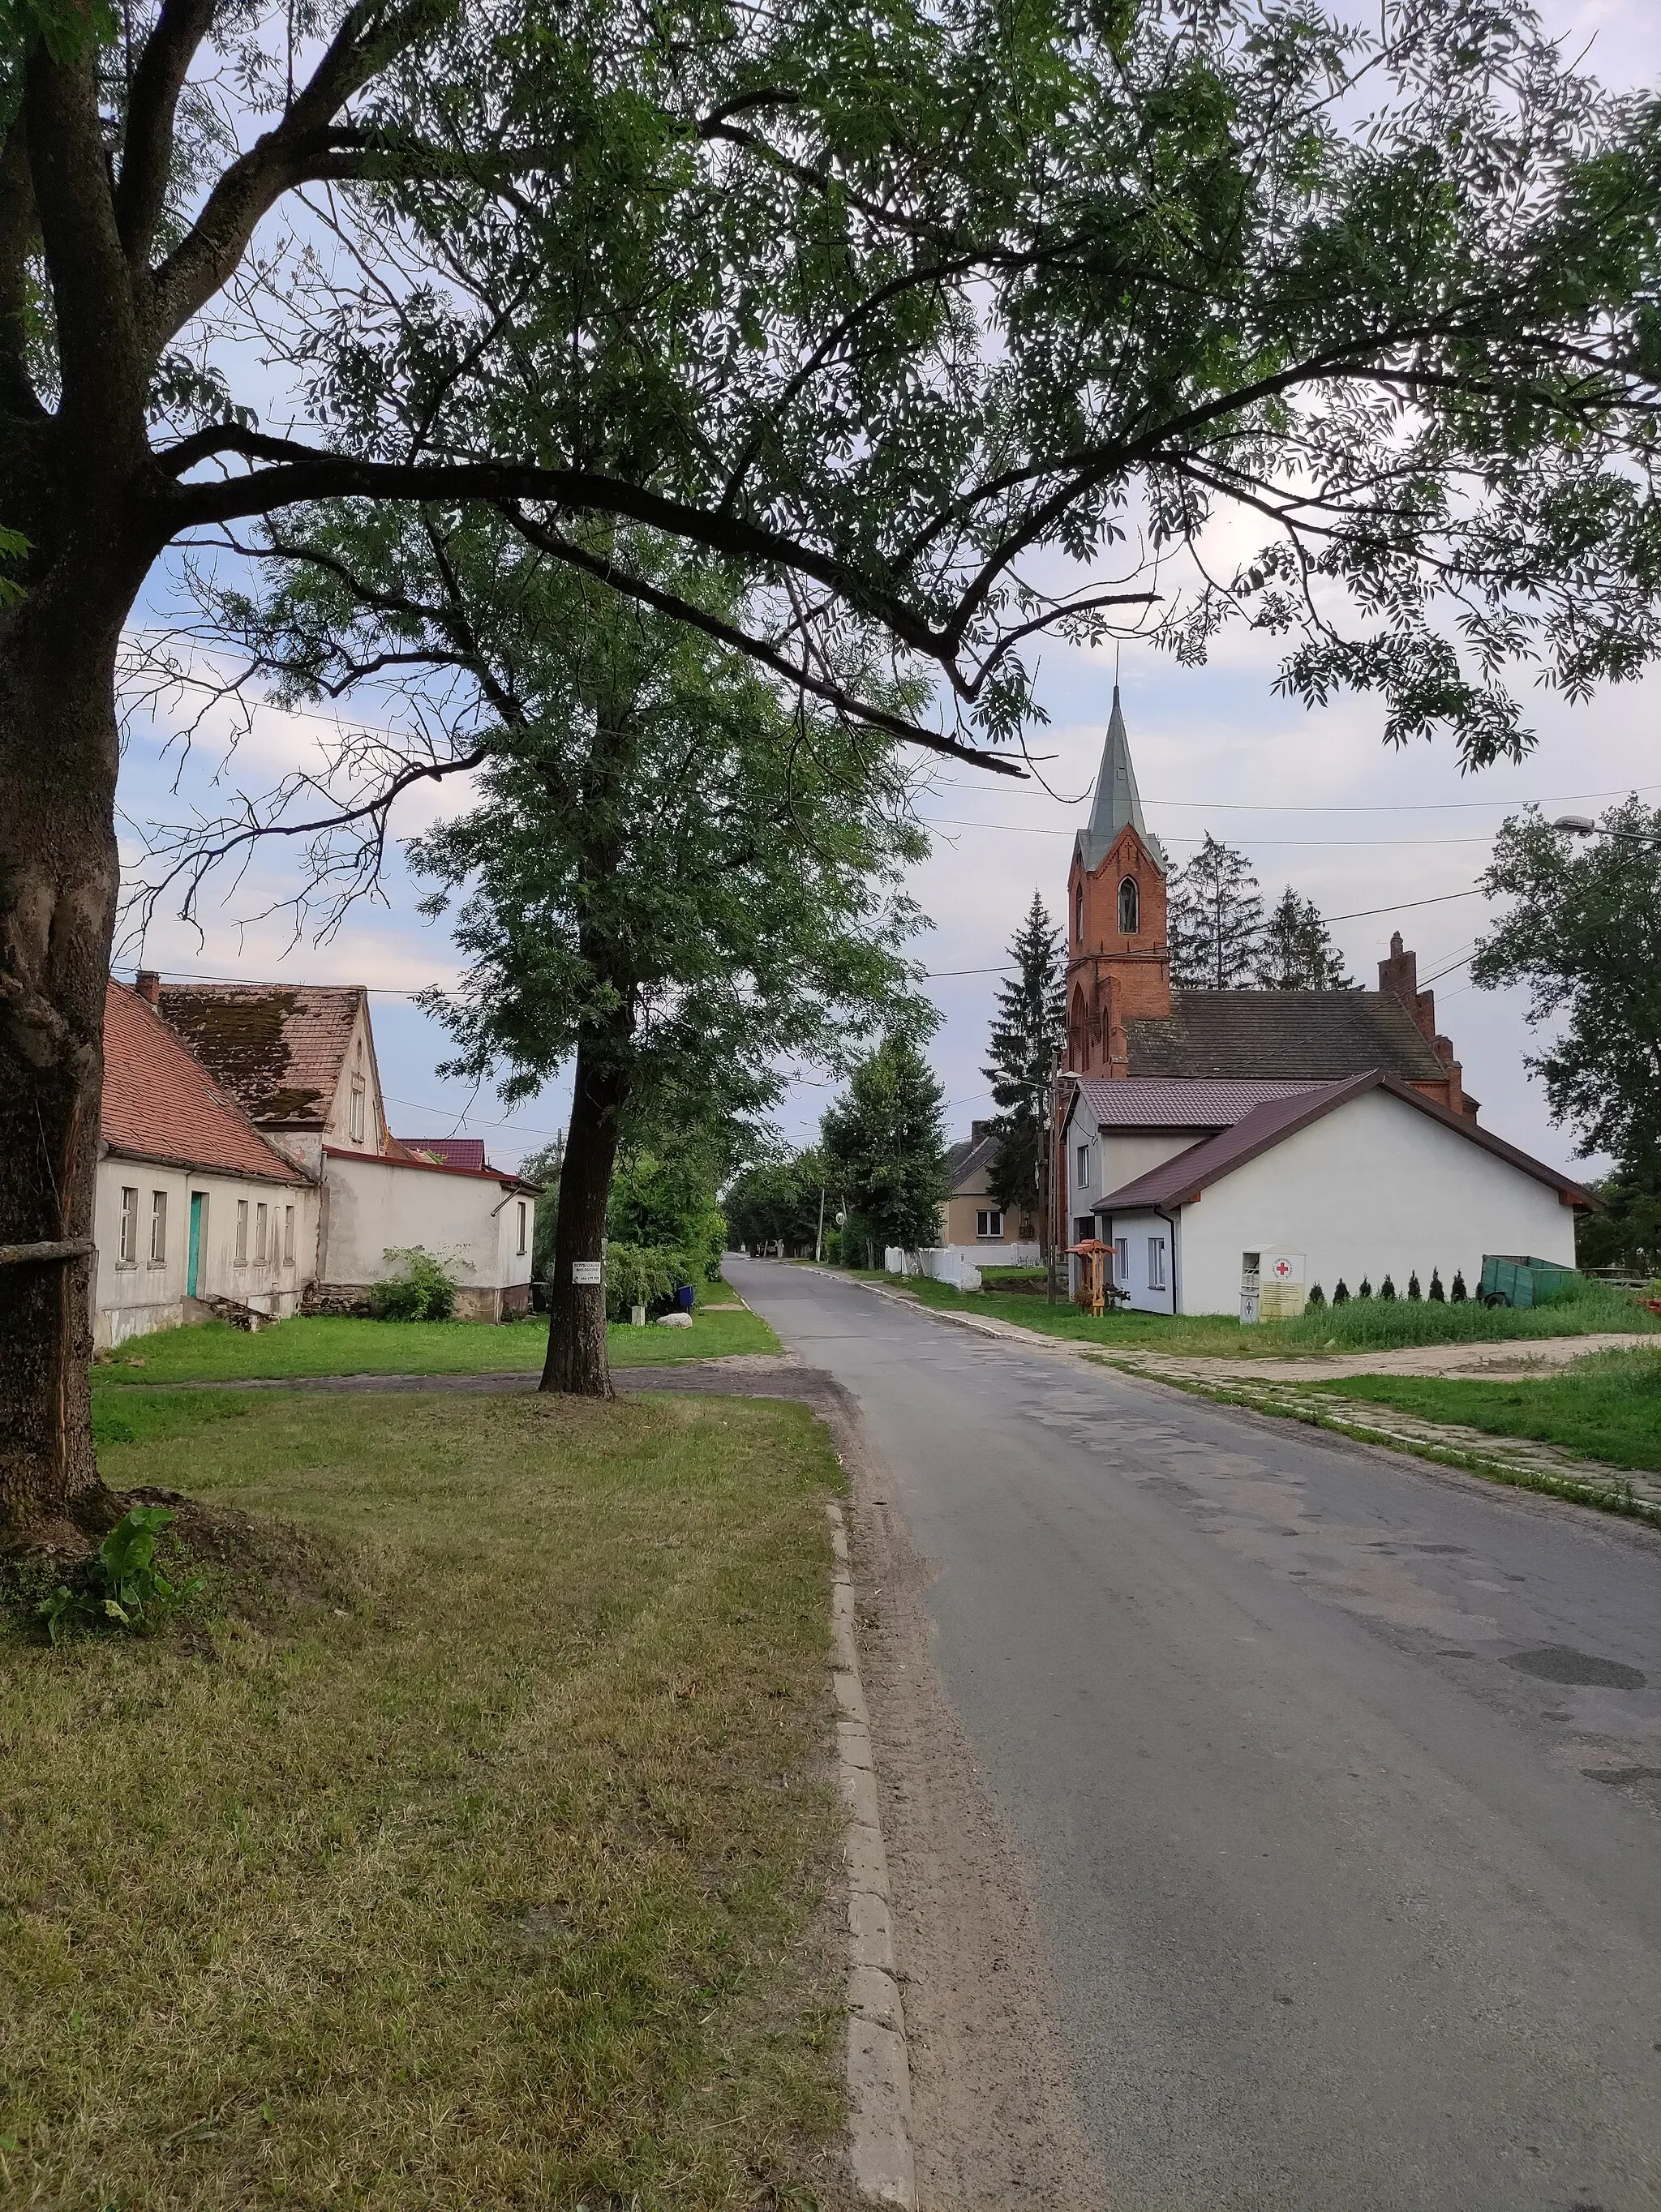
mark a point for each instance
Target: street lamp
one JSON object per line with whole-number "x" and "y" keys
{"x": 1579, "y": 825}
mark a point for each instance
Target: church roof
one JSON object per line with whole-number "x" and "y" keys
{"x": 1178, "y": 1182}
{"x": 1117, "y": 802}
{"x": 1287, "y": 1035}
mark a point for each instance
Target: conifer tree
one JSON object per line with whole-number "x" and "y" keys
{"x": 1216, "y": 921}
{"x": 1028, "y": 1031}
{"x": 1297, "y": 952}
{"x": 886, "y": 1142}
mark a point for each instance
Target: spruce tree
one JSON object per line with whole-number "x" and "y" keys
{"x": 1297, "y": 953}
{"x": 1216, "y": 921}
{"x": 885, "y": 1144}
{"x": 1028, "y": 1031}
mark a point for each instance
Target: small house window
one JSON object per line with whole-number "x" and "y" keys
{"x": 287, "y": 1235}
{"x": 988, "y": 1222}
{"x": 1084, "y": 1166}
{"x": 357, "y": 1124}
{"x": 259, "y": 1237}
{"x": 1084, "y": 1226}
{"x": 158, "y": 1228}
{"x": 1130, "y": 907}
{"x": 524, "y": 1215}
{"x": 242, "y": 1232}
{"x": 1122, "y": 1261}
{"x": 128, "y": 1248}
{"x": 1078, "y": 916}
{"x": 1156, "y": 1263}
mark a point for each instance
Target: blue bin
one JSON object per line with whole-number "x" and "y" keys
{"x": 685, "y": 1297}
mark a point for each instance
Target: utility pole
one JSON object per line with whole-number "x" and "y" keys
{"x": 1050, "y": 1165}
{"x": 819, "y": 1242}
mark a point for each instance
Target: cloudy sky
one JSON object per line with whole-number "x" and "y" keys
{"x": 1314, "y": 801}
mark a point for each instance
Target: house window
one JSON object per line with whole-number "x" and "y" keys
{"x": 357, "y": 1124}
{"x": 1156, "y": 1263}
{"x": 1084, "y": 1166}
{"x": 1130, "y": 907}
{"x": 287, "y": 1235}
{"x": 1078, "y": 916}
{"x": 988, "y": 1222}
{"x": 158, "y": 1228}
{"x": 524, "y": 1212}
{"x": 259, "y": 1237}
{"x": 1084, "y": 1227}
{"x": 1122, "y": 1260}
{"x": 128, "y": 1247}
{"x": 242, "y": 1232}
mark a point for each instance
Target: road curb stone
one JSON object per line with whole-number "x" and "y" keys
{"x": 879, "y": 2069}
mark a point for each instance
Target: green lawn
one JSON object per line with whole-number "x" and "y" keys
{"x": 471, "y": 1853}
{"x": 1606, "y": 1406}
{"x": 1362, "y": 1325}
{"x": 212, "y": 1352}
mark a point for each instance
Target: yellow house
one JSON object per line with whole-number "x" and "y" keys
{"x": 972, "y": 1218}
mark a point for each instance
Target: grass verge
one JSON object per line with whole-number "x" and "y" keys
{"x": 1606, "y": 1406}
{"x": 477, "y": 1863}
{"x": 1362, "y": 1325}
{"x": 212, "y": 1352}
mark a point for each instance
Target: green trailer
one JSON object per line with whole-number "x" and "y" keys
{"x": 1512, "y": 1278}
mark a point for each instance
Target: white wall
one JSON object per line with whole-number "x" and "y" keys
{"x": 133, "y": 1297}
{"x": 377, "y": 1206}
{"x": 1138, "y": 1229}
{"x": 1373, "y": 1189}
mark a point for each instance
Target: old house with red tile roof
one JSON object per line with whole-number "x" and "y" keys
{"x": 193, "y": 1205}
{"x": 295, "y": 1065}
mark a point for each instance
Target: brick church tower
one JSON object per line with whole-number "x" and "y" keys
{"x": 1119, "y": 963}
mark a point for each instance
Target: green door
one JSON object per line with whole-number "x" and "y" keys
{"x": 196, "y": 1239}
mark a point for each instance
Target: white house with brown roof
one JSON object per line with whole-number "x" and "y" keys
{"x": 294, "y": 1067}
{"x": 193, "y": 1209}
{"x": 1347, "y": 1181}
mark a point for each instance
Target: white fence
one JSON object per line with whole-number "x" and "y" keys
{"x": 941, "y": 1263}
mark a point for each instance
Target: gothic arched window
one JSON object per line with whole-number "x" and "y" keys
{"x": 1078, "y": 916}
{"x": 1130, "y": 907}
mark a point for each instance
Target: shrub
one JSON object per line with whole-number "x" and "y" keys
{"x": 1340, "y": 1296}
{"x": 1317, "y": 1296}
{"x": 1366, "y": 1291}
{"x": 1459, "y": 1293}
{"x": 425, "y": 1291}
{"x": 643, "y": 1275}
{"x": 1438, "y": 1295}
{"x": 1387, "y": 1288}
{"x": 122, "y": 1586}
{"x": 1413, "y": 1291}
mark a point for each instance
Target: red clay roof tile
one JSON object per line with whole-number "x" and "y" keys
{"x": 160, "y": 1104}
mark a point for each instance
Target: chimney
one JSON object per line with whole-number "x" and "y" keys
{"x": 149, "y": 986}
{"x": 1398, "y": 978}
{"x": 979, "y": 1131}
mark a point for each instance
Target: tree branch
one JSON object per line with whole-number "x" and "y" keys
{"x": 152, "y": 109}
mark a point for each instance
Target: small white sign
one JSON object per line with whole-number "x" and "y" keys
{"x": 584, "y": 1271}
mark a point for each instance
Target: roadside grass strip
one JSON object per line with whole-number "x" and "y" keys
{"x": 1360, "y": 1325}
{"x": 1334, "y": 1405}
{"x": 466, "y": 1843}
{"x": 213, "y": 1351}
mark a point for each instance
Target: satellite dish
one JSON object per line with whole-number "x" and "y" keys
{"x": 842, "y": 1220}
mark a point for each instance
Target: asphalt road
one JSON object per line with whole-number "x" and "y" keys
{"x": 1338, "y": 1781}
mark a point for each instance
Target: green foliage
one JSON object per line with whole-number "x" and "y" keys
{"x": 1583, "y": 935}
{"x": 1340, "y": 1294}
{"x": 668, "y": 1203}
{"x": 1216, "y": 921}
{"x": 1626, "y": 1233}
{"x": 887, "y": 1144}
{"x": 643, "y": 1275}
{"x": 1605, "y": 1407}
{"x": 1438, "y": 1296}
{"x": 123, "y": 1588}
{"x": 1317, "y": 1296}
{"x": 1365, "y": 1290}
{"x": 1458, "y": 1294}
{"x": 1296, "y": 952}
{"x": 424, "y": 1292}
{"x": 776, "y": 1201}
{"x": 1028, "y": 1032}
{"x": 1386, "y": 1289}
{"x": 1414, "y": 1289}
{"x": 543, "y": 1168}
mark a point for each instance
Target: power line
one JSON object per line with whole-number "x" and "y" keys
{"x": 1315, "y": 844}
{"x": 1260, "y": 806}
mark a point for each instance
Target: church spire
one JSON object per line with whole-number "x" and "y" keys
{"x": 1116, "y": 801}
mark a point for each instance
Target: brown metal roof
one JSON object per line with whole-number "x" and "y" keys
{"x": 1174, "y": 1102}
{"x": 278, "y": 1048}
{"x": 1174, "y": 1182}
{"x": 160, "y": 1103}
{"x": 448, "y": 1152}
{"x": 1286, "y": 1036}
{"x": 968, "y": 1158}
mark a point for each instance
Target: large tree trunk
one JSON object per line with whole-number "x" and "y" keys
{"x": 59, "y": 881}
{"x": 577, "y": 1360}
